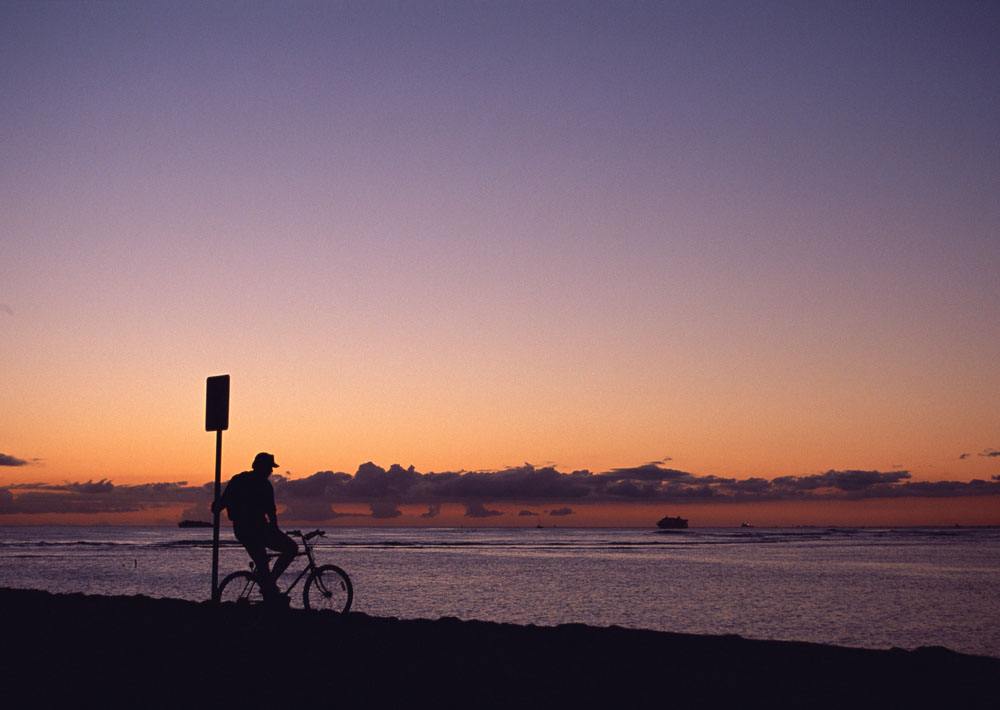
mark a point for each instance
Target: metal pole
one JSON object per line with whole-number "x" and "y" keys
{"x": 215, "y": 516}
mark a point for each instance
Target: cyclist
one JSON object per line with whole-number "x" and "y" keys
{"x": 249, "y": 502}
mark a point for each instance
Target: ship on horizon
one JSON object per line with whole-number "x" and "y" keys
{"x": 675, "y": 523}
{"x": 193, "y": 524}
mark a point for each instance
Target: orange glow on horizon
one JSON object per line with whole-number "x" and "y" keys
{"x": 967, "y": 511}
{"x": 483, "y": 246}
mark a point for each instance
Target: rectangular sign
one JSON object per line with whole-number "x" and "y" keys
{"x": 217, "y": 403}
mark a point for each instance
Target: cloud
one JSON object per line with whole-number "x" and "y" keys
{"x": 307, "y": 509}
{"x": 201, "y": 511}
{"x": 561, "y": 511}
{"x": 385, "y": 491}
{"x": 665, "y": 459}
{"x": 990, "y": 453}
{"x": 322, "y": 484}
{"x": 101, "y": 487}
{"x": 34, "y": 502}
{"x": 101, "y": 496}
{"x": 962, "y": 457}
{"x": 847, "y": 481}
{"x": 8, "y": 460}
{"x": 478, "y": 510}
{"x": 334, "y": 514}
{"x": 384, "y": 509}
{"x": 647, "y": 472}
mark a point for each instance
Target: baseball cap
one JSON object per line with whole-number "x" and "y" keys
{"x": 264, "y": 458}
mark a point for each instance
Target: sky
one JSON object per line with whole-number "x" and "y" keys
{"x": 742, "y": 241}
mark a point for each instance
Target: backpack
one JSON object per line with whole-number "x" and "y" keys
{"x": 236, "y": 497}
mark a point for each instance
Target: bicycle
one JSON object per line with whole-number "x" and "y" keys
{"x": 327, "y": 586}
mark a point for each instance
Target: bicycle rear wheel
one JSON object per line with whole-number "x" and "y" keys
{"x": 240, "y": 588}
{"x": 328, "y": 588}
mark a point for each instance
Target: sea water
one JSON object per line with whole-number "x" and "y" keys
{"x": 875, "y": 588}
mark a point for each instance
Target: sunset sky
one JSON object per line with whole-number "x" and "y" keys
{"x": 744, "y": 241}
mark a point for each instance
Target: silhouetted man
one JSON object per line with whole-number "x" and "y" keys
{"x": 249, "y": 501}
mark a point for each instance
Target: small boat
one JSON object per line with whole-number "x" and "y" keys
{"x": 669, "y": 523}
{"x": 746, "y": 524}
{"x": 193, "y": 524}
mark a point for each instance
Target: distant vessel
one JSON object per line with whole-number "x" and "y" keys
{"x": 746, "y": 524}
{"x": 193, "y": 524}
{"x": 669, "y": 523}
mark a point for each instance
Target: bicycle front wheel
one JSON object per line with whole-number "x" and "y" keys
{"x": 328, "y": 588}
{"x": 240, "y": 588}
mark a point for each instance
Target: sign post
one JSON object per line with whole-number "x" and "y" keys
{"x": 217, "y": 420}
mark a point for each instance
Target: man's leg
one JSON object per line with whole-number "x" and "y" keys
{"x": 256, "y": 547}
{"x": 283, "y": 544}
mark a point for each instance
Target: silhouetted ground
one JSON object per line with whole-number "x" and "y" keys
{"x": 84, "y": 651}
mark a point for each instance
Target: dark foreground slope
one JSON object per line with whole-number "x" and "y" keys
{"x": 78, "y": 651}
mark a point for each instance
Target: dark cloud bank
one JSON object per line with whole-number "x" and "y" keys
{"x": 384, "y": 490}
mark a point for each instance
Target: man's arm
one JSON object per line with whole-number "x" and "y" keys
{"x": 219, "y": 505}
{"x": 272, "y": 509}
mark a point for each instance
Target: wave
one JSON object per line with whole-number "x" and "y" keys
{"x": 71, "y": 543}
{"x": 566, "y": 539}
{"x": 113, "y": 544}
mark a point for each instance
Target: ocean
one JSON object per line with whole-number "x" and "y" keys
{"x": 874, "y": 588}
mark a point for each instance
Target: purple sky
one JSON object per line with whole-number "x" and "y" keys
{"x": 761, "y": 238}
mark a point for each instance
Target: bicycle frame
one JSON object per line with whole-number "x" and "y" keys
{"x": 307, "y": 552}
{"x": 328, "y": 586}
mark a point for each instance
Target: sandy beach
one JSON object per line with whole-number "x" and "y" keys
{"x": 144, "y": 652}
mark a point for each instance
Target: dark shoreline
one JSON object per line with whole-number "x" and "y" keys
{"x": 62, "y": 649}
{"x": 173, "y": 525}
